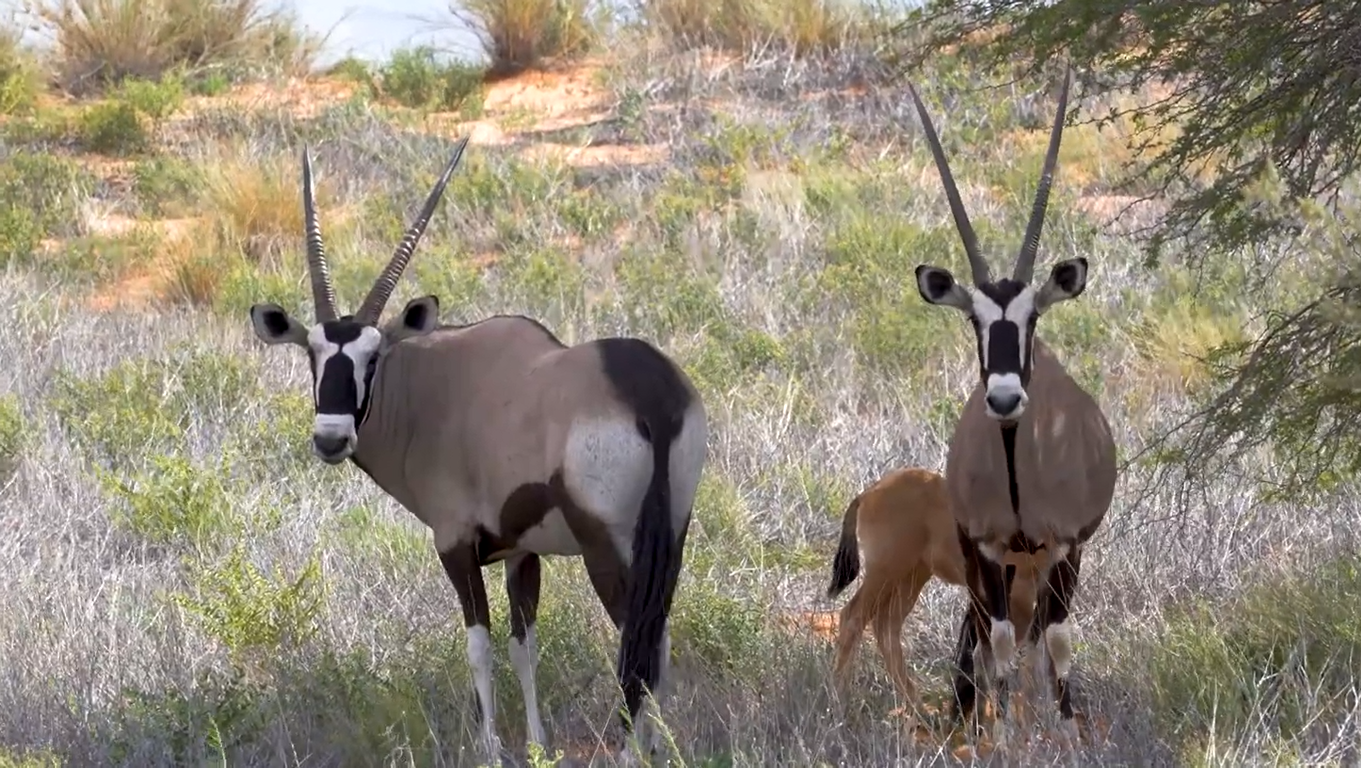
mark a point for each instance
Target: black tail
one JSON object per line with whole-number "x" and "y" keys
{"x": 652, "y": 577}
{"x": 846, "y": 564}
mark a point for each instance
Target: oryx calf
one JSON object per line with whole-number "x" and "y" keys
{"x": 905, "y": 528}
{"x": 1031, "y": 464}
{"x": 510, "y": 445}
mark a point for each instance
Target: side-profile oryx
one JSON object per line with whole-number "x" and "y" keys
{"x": 1031, "y": 464}
{"x": 511, "y": 445}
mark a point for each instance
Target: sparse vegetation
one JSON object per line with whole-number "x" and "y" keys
{"x": 184, "y": 583}
{"x": 100, "y": 43}
{"x": 520, "y": 34}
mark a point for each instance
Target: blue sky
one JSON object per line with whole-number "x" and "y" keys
{"x": 371, "y": 29}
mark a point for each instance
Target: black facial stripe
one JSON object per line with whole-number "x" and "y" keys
{"x": 1029, "y": 351}
{"x": 1004, "y": 347}
{"x": 363, "y": 413}
{"x": 337, "y": 393}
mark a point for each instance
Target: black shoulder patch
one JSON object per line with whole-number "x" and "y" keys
{"x": 648, "y": 382}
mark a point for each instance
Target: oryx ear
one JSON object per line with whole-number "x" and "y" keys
{"x": 1067, "y": 280}
{"x": 417, "y": 318}
{"x": 938, "y": 286}
{"x": 274, "y": 325}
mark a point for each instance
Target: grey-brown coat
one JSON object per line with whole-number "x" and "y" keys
{"x": 1031, "y": 463}
{"x": 511, "y": 445}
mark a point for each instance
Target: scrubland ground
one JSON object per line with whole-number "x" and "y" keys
{"x": 183, "y": 583}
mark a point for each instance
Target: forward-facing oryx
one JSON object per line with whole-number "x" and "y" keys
{"x": 1031, "y": 463}
{"x": 510, "y": 445}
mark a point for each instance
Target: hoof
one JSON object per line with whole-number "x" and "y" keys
{"x": 491, "y": 748}
{"x": 1003, "y": 641}
{"x": 1068, "y": 733}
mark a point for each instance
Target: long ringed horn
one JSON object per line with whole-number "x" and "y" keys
{"x": 372, "y": 307}
{"x": 977, "y": 264}
{"x": 323, "y": 293}
{"x": 1025, "y": 262}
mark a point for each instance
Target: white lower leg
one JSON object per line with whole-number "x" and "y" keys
{"x": 479, "y": 658}
{"x": 1003, "y": 640}
{"x": 524, "y": 656}
{"x": 1058, "y": 638}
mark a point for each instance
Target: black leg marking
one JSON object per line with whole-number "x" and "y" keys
{"x": 966, "y": 686}
{"x": 973, "y": 631}
{"x": 461, "y": 565}
{"x": 522, "y": 588}
{"x": 1056, "y": 600}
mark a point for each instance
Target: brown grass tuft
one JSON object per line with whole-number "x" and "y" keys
{"x": 800, "y": 26}
{"x": 102, "y": 42}
{"x": 524, "y": 34}
{"x": 257, "y": 205}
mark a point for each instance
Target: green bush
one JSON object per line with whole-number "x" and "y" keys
{"x": 415, "y": 78}
{"x": 14, "y": 435}
{"x": 253, "y": 614}
{"x": 174, "y": 502}
{"x": 1281, "y": 655}
{"x": 114, "y": 128}
{"x": 42, "y": 194}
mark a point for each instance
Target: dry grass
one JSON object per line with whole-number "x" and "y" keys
{"x": 799, "y": 26}
{"x": 522, "y": 34}
{"x": 255, "y": 203}
{"x": 183, "y": 583}
{"x": 101, "y": 42}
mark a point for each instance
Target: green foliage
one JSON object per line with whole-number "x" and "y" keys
{"x": 166, "y": 185}
{"x": 403, "y": 548}
{"x": 718, "y": 629}
{"x": 254, "y": 614}
{"x": 174, "y": 502}
{"x": 1259, "y": 87}
{"x": 114, "y": 128}
{"x": 20, "y": 82}
{"x": 140, "y": 407}
{"x": 414, "y": 77}
{"x": 1280, "y": 654}
{"x": 14, "y": 435}
{"x": 156, "y": 100}
{"x": 1292, "y": 389}
{"x": 42, "y": 194}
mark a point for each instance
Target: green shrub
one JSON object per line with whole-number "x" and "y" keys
{"x": 20, "y": 82}
{"x": 253, "y": 614}
{"x": 14, "y": 435}
{"x": 114, "y": 128}
{"x": 166, "y": 185}
{"x": 42, "y": 194}
{"x": 1281, "y": 655}
{"x": 415, "y": 78}
{"x": 174, "y": 502}
{"x": 155, "y": 99}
